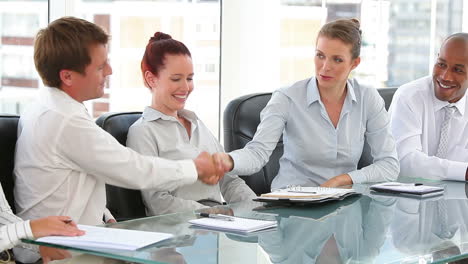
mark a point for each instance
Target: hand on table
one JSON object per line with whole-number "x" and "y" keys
{"x": 111, "y": 221}
{"x": 54, "y": 226}
{"x": 340, "y": 180}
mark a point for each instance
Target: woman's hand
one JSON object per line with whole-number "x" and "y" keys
{"x": 225, "y": 159}
{"x": 54, "y": 226}
{"x": 340, "y": 180}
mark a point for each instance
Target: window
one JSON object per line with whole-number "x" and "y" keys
{"x": 266, "y": 44}
{"x": 19, "y": 22}
{"x": 131, "y": 24}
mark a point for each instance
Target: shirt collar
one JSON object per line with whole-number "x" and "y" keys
{"x": 58, "y": 98}
{"x": 151, "y": 114}
{"x": 438, "y": 104}
{"x": 313, "y": 94}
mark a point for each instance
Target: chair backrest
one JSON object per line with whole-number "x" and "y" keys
{"x": 366, "y": 157}
{"x": 387, "y": 95}
{"x": 8, "y": 132}
{"x": 123, "y": 203}
{"x": 241, "y": 118}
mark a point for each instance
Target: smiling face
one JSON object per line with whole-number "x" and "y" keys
{"x": 173, "y": 85}
{"x": 90, "y": 84}
{"x": 333, "y": 62}
{"x": 450, "y": 74}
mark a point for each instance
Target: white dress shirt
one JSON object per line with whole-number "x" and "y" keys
{"x": 434, "y": 227}
{"x": 157, "y": 134}
{"x": 314, "y": 150}
{"x": 417, "y": 116}
{"x": 12, "y": 228}
{"x": 63, "y": 161}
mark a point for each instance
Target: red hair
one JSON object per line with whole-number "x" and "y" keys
{"x": 158, "y": 46}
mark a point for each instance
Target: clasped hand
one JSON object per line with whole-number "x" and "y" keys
{"x": 210, "y": 168}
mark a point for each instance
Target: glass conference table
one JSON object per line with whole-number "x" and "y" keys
{"x": 369, "y": 228}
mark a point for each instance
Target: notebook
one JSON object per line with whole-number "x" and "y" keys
{"x": 237, "y": 225}
{"x": 306, "y": 194}
{"x": 408, "y": 189}
{"x": 108, "y": 238}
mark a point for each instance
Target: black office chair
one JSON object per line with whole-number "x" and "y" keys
{"x": 241, "y": 118}
{"x": 387, "y": 95}
{"x": 123, "y": 203}
{"x": 8, "y": 132}
{"x": 366, "y": 157}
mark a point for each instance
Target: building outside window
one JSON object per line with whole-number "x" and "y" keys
{"x": 260, "y": 46}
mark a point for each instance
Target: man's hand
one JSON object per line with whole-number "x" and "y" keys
{"x": 224, "y": 158}
{"x": 218, "y": 210}
{"x": 209, "y": 171}
{"x": 340, "y": 180}
{"x": 49, "y": 254}
{"x": 54, "y": 226}
{"x": 111, "y": 221}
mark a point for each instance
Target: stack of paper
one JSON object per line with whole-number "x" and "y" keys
{"x": 108, "y": 238}
{"x": 306, "y": 194}
{"x": 414, "y": 189}
{"x": 237, "y": 225}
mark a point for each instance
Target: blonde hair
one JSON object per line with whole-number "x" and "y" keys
{"x": 346, "y": 30}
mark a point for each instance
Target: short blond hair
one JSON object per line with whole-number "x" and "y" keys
{"x": 64, "y": 44}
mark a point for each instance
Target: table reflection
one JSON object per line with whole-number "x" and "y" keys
{"x": 435, "y": 227}
{"x": 353, "y": 232}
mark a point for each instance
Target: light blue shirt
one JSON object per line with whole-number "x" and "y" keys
{"x": 314, "y": 150}
{"x": 160, "y": 135}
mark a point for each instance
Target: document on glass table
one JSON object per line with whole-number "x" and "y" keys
{"x": 108, "y": 238}
{"x": 306, "y": 194}
{"x": 413, "y": 189}
{"x": 233, "y": 224}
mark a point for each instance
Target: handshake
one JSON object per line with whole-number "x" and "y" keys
{"x": 211, "y": 168}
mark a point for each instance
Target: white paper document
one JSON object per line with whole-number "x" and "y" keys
{"x": 237, "y": 225}
{"x": 408, "y": 188}
{"x": 307, "y": 193}
{"x": 108, "y": 238}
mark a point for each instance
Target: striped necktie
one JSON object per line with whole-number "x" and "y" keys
{"x": 444, "y": 132}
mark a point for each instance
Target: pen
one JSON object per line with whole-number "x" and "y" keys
{"x": 217, "y": 216}
{"x": 300, "y": 191}
{"x": 401, "y": 184}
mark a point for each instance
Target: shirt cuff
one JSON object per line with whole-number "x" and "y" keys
{"x": 108, "y": 215}
{"x": 236, "y": 163}
{"x": 189, "y": 170}
{"x": 16, "y": 231}
{"x": 28, "y": 230}
{"x": 357, "y": 176}
{"x": 456, "y": 171}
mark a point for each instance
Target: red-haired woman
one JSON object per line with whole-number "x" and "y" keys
{"x": 168, "y": 130}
